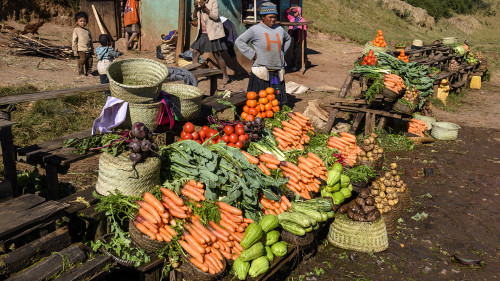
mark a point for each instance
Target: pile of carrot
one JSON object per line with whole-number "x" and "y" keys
{"x": 303, "y": 177}
{"x": 153, "y": 219}
{"x": 394, "y": 82}
{"x": 294, "y": 132}
{"x": 417, "y": 127}
{"x": 265, "y": 162}
{"x": 346, "y": 144}
{"x": 194, "y": 190}
{"x": 274, "y": 207}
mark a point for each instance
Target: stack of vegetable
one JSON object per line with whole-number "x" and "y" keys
{"x": 306, "y": 216}
{"x": 153, "y": 219}
{"x": 264, "y": 107}
{"x": 394, "y": 83}
{"x": 294, "y": 132}
{"x": 369, "y": 59}
{"x": 403, "y": 57}
{"x": 253, "y": 128}
{"x": 141, "y": 145}
{"x": 371, "y": 151}
{"x": 204, "y": 134}
{"x": 346, "y": 144}
{"x": 232, "y": 220}
{"x": 304, "y": 177}
{"x": 362, "y": 209}
{"x": 385, "y": 189}
{"x": 454, "y": 65}
{"x": 417, "y": 127}
{"x": 338, "y": 186}
{"x": 471, "y": 59}
{"x": 194, "y": 190}
{"x": 379, "y": 40}
{"x": 234, "y": 136}
{"x": 271, "y": 207}
{"x": 411, "y": 96}
{"x": 255, "y": 258}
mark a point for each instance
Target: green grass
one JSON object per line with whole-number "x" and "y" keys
{"x": 17, "y": 89}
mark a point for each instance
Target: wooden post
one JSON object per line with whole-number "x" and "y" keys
{"x": 254, "y": 10}
{"x": 181, "y": 29}
{"x": 343, "y": 92}
{"x": 96, "y": 15}
{"x": 9, "y": 158}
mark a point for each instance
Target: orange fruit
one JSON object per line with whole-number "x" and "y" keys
{"x": 275, "y": 102}
{"x": 276, "y": 108}
{"x": 250, "y": 118}
{"x": 251, "y": 95}
{"x": 262, "y": 94}
{"x": 262, "y": 108}
{"x": 269, "y": 90}
{"x": 253, "y": 111}
{"x": 268, "y": 106}
{"x": 271, "y": 97}
{"x": 246, "y": 108}
{"x": 260, "y": 115}
{"x": 263, "y": 101}
{"x": 251, "y": 103}
{"x": 269, "y": 113}
{"x": 244, "y": 115}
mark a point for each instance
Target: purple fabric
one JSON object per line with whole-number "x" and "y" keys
{"x": 166, "y": 115}
{"x": 112, "y": 115}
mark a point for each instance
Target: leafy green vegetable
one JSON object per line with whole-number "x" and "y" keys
{"x": 278, "y": 117}
{"x": 360, "y": 173}
{"x": 109, "y": 142}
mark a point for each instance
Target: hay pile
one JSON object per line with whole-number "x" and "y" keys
{"x": 418, "y": 16}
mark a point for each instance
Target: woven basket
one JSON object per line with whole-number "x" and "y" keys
{"x": 390, "y": 221}
{"x": 193, "y": 273}
{"x": 403, "y": 108}
{"x": 420, "y": 140}
{"x": 390, "y": 95}
{"x": 369, "y": 46}
{"x": 136, "y": 80}
{"x": 186, "y": 98}
{"x": 143, "y": 241}
{"x": 112, "y": 254}
{"x": 301, "y": 241}
{"x": 398, "y": 209}
{"x": 116, "y": 173}
{"x": 146, "y": 113}
{"x": 445, "y": 130}
{"x": 368, "y": 237}
{"x": 405, "y": 199}
{"x": 375, "y": 165}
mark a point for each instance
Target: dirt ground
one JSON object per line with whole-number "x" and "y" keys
{"x": 461, "y": 199}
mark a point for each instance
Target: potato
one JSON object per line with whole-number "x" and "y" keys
{"x": 387, "y": 182}
{"x": 393, "y": 166}
{"x": 391, "y": 202}
{"x": 388, "y": 175}
{"x": 397, "y": 178}
{"x": 374, "y": 192}
{"x": 366, "y": 142}
{"x": 387, "y": 209}
{"x": 375, "y": 185}
{"x": 382, "y": 194}
{"x": 399, "y": 184}
{"x": 378, "y": 200}
{"x": 394, "y": 172}
{"x": 382, "y": 188}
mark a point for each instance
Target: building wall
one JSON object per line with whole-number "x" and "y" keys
{"x": 158, "y": 17}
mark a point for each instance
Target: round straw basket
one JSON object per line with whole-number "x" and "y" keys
{"x": 375, "y": 165}
{"x": 116, "y": 173}
{"x": 398, "y": 209}
{"x": 136, "y": 80}
{"x": 192, "y": 273}
{"x": 301, "y": 241}
{"x": 143, "y": 241}
{"x": 369, "y": 46}
{"x": 405, "y": 199}
{"x": 369, "y": 237}
{"x": 112, "y": 254}
{"x": 146, "y": 113}
{"x": 390, "y": 95}
{"x": 390, "y": 220}
{"x": 186, "y": 98}
{"x": 403, "y": 108}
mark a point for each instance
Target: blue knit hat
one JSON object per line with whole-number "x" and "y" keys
{"x": 268, "y": 8}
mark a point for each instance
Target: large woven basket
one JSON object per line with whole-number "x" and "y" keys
{"x": 136, "y": 80}
{"x": 390, "y": 221}
{"x": 186, "y": 99}
{"x": 405, "y": 199}
{"x": 146, "y": 113}
{"x": 445, "y": 130}
{"x": 369, "y": 237}
{"x": 301, "y": 241}
{"x": 143, "y": 241}
{"x": 398, "y": 209}
{"x": 390, "y": 95}
{"x": 403, "y": 108}
{"x": 192, "y": 273}
{"x": 369, "y": 46}
{"x": 116, "y": 173}
{"x": 375, "y": 165}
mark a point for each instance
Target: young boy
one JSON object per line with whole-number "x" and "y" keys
{"x": 82, "y": 44}
{"x": 105, "y": 56}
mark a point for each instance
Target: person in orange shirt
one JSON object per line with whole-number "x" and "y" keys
{"x": 131, "y": 21}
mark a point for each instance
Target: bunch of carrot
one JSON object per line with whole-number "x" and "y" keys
{"x": 346, "y": 144}
{"x": 265, "y": 162}
{"x": 274, "y": 207}
{"x": 394, "y": 82}
{"x": 417, "y": 127}
{"x": 294, "y": 132}
{"x": 303, "y": 177}
{"x": 194, "y": 190}
{"x": 153, "y": 219}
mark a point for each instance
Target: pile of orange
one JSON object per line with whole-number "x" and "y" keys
{"x": 264, "y": 105}
{"x": 402, "y": 56}
{"x": 379, "y": 40}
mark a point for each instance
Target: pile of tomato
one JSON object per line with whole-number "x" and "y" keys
{"x": 379, "y": 40}
{"x": 233, "y": 135}
{"x": 402, "y": 56}
{"x": 264, "y": 107}
{"x": 370, "y": 59}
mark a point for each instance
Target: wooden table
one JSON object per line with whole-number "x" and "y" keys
{"x": 9, "y": 155}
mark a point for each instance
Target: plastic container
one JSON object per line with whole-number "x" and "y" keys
{"x": 475, "y": 82}
{"x": 445, "y": 130}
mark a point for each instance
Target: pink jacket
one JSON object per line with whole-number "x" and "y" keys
{"x": 302, "y": 34}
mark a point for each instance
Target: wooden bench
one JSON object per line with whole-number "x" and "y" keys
{"x": 212, "y": 74}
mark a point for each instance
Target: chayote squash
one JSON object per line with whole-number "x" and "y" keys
{"x": 333, "y": 177}
{"x": 252, "y": 234}
{"x": 269, "y": 254}
{"x": 279, "y": 249}
{"x": 259, "y": 266}
{"x": 272, "y": 237}
{"x": 268, "y": 223}
{"x": 253, "y": 252}
{"x": 241, "y": 268}
{"x": 344, "y": 181}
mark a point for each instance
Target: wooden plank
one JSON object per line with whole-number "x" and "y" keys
{"x": 86, "y": 270}
{"x": 197, "y": 73}
{"x": 343, "y": 93}
{"x": 19, "y": 204}
{"x": 9, "y": 157}
{"x": 54, "y": 143}
{"x": 76, "y": 200}
{"x": 357, "y": 120}
{"x": 33, "y": 251}
{"x": 237, "y": 99}
{"x": 150, "y": 265}
{"x": 278, "y": 263}
{"x": 51, "y": 265}
{"x": 12, "y": 99}
{"x": 377, "y": 112}
{"x": 181, "y": 27}
{"x": 6, "y": 123}
{"x": 369, "y": 123}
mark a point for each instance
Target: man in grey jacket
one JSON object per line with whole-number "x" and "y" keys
{"x": 270, "y": 43}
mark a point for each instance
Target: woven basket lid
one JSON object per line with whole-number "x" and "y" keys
{"x": 417, "y": 43}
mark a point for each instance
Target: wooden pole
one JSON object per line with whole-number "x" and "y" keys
{"x": 96, "y": 15}
{"x": 181, "y": 29}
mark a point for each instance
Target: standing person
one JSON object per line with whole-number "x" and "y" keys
{"x": 105, "y": 56}
{"x": 210, "y": 33}
{"x": 294, "y": 14}
{"x": 131, "y": 21}
{"x": 231, "y": 35}
{"x": 82, "y": 44}
{"x": 270, "y": 43}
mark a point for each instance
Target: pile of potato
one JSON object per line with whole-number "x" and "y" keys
{"x": 370, "y": 150}
{"x": 385, "y": 189}
{"x": 362, "y": 209}
{"x": 411, "y": 95}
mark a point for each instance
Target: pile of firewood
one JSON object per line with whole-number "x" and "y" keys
{"x": 23, "y": 45}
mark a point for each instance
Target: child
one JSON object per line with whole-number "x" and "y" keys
{"x": 294, "y": 14}
{"x": 82, "y": 44}
{"x": 105, "y": 55}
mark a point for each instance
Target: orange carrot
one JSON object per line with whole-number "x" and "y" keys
{"x": 146, "y": 223}
{"x": 195, "y": 232}
{"x": 229, "y": 208}
{"x": 176, "y": 199}
{"x": 149, "y": 198}
{"x": 150, "y": 209}
{"x": 218, "y": 228}
{"x": 234, "y": 218}
{"x": 171, "y": 206}
{"x": 272, "y": 166}
{"x": 269, "y": 159}
{"x": 191, "y": 251}
{"x": 227, "y": 226}
{"x": 190, "y": 194}
{"x": 149, "y": 217}
{"x": 178, "y": 214}
{"x": 203, "y": 267}
{"x": 144, "y": 230}
{"x": 198, "y": 226}
{"x": 250, "y": 158}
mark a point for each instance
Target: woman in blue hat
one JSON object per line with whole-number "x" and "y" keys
{"x": 270, "y": 43}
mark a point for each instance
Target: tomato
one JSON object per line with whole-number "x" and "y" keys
{"x": 233, "y": 138}
{"x": 271, "y": 97}
{"x": 202, "y": 134}
{"x": 205, "y": 128}
{"x": 215, "y": 141}
{"x": 250, "y": 118}
{"x": 259, "y": 115}
{"x": 262, "y": 94}
{"x": 242, "y": 137}
{"x": 262, "y": 108}
{"x": 263, "y": 101}
{"x": 240, "y": 131}
{"x": 251, "y": 103}
{"x": 196, "y": 135}
{"x": 275, "y": 102}
{"x": 366, "y": 58}
{"x": 225, "y": 138}
{"x": 228, "y": 130}
{"x": 198, "y": 141}
{"x": 363, "y": 63}
{"x": 238, "y": 126}
{"x": 246, "y": 108}
{"x": 244, "y": 115}
{"x": 239, "y": 144}
{"x": 211, "y": 133}
{"x": 187, "y": 136}
{"x": 230, "y": 144}
{"x": 189, "y": 127}
{"x": 182, "y": 134}
{"x": 269, "y": 114}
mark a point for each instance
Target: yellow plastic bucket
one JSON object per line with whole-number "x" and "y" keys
{"x": 475, "y": 82}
